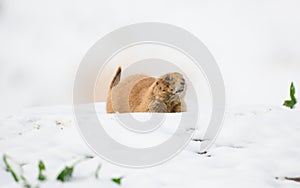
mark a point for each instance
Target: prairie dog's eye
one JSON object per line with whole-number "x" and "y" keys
{"x": 167, "y": 78}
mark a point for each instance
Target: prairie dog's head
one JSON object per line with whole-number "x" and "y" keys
{"x": 171, "y": 84}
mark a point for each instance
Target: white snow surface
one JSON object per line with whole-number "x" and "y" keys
{"x": 256, "y": 145}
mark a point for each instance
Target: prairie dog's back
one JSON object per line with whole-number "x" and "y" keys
{"x": 140, "y": 92}
{"x": 119, "y": 94}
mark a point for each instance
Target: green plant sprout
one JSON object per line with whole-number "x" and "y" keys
{"x": 117, "y": 180}
{"x": 67, "y": 173}
{"x": 19, "y": 179}
{"x": 97, "y": 171}
{"x": 9, "y": 169}
{"x": 293, "y": 101}
{"x": 42, "y": 168}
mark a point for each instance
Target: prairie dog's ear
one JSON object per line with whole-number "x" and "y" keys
{"x": 154, "y": 85}
{"x": 157, "y": 81}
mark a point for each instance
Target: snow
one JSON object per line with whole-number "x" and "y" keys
{"x": 255, "y": 43}
{"x": 256, "y": 145}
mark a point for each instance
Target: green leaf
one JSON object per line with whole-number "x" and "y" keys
{"x": 117, "y": 180}
{"x": 65, "y": 174}
{"x": 42, "y": 168}
{"x": 293, "y": 101}
{"x": 9, "y": 169}
{"x": 42, "y": 177}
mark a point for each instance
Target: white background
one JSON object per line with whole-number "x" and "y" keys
{"x": 256, "y": 44}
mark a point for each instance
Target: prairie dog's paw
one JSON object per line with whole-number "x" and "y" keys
{"x": 158, "y": 106}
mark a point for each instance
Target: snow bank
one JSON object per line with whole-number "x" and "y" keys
{"x": 257, "y": 144}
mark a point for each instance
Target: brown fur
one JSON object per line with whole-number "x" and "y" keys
{"x": 141, "y": 93}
